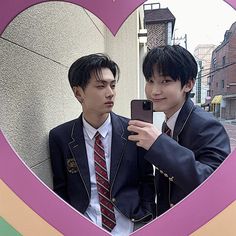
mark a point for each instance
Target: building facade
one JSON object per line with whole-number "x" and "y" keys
{"x": 159, "y": 23}
{"x": 202, "y": 54}
{"x": 222, "y": 79}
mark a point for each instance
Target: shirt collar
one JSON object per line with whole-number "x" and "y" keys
{"x": 172, "y": 120}
{"x": 103, "y": 129}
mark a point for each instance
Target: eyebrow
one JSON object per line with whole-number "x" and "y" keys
{"x": 105, "y": 81}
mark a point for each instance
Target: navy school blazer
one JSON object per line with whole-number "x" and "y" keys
{"x": 131, "y": 176}
{"x": 199, "y": 145}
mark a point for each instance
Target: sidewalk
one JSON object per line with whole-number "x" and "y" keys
{"x": 230, "y": 126}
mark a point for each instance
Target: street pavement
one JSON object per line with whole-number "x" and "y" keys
{"x": 231, "y": 130}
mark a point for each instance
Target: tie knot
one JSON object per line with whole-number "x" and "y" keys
{"x": 97, "y": 135}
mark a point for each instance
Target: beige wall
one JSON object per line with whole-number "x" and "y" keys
{"x": 124, "y": 50}
{"x": 36, "y": 50}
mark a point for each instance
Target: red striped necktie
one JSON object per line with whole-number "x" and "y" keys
{"x": 103, "y": 185}
{"x": 166, "y": 129}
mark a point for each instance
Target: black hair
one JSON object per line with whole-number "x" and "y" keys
{"x": 81, "y": 70}
{"x": 174, "y": 61}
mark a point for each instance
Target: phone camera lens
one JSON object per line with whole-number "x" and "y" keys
{"x": 146, "y": 105}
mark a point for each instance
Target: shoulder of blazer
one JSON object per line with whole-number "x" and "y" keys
{"x": 119, "y": 117}
{"x": 66, "y": 128}
{"x": 192, "y": 114}
{"x": 119, "y": 123}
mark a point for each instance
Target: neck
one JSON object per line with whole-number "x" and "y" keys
{"x": 95, "y": 120}
{"x": 172, "y": 112}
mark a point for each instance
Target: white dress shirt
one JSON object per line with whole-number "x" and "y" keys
{"x": 172, "y": 120}
{"x": 123, "y": 225}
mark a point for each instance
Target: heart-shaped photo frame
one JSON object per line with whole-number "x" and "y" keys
{"x": 24, "y": 196}
{"x": 113, "y": 13}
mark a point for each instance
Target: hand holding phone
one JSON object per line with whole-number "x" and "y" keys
{"x": 143, "y": 134}
{"x": 142, "y": 109}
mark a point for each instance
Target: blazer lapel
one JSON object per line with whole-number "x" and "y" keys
{"x": 183, "y": 118}
{"x": 78, "y": 150}
{"x": 118, "y": 145}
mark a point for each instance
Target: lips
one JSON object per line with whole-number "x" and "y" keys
{"x": 158, "y": 99}
{"x": 109, "y": 103}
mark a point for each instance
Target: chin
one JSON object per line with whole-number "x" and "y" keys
{"x": 157, "y": 108}
{"x": 108, "y": 110}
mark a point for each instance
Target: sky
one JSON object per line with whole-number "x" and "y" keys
{"x": 204, "y": 21}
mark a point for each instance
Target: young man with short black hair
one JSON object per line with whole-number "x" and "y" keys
{"x": 193, "y": 143}
{"x": 95, "y": 167}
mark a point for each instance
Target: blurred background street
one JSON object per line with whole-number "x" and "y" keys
{"x": 230, "y": 127}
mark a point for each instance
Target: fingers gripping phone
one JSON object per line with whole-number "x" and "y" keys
{"x": 142, "y": 109}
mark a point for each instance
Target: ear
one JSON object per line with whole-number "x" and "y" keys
{"x": 78, "y": 92}
{"x": 189, "y": 86}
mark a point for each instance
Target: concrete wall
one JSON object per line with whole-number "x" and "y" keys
{"x": 36, "y": 50}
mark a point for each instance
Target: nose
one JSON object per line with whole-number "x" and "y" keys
{"x": 156, "y": 90}
{"x": 110, "y": 92}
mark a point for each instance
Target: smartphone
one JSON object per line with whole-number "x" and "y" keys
{"x": 142, "y": 109}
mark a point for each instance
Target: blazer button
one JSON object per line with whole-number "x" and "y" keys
{"x": 113, "y": 199}
{"x": 171, "y": 204}
{"x": 132, "y": 219}
{"x": 171, "y": 179}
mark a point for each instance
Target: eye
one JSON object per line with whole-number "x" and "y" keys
{"x": 166, "y": 81}
{"x": 100, "y": 86}
{"x": 150, "y": 81}
{"x": 113, "y": 86}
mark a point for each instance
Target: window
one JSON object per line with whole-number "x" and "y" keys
{"x": 200, "y": 65}
{"x": 214, "y": 63}
{"x": 222, "y": 83}
{"x": 223, "y": 60}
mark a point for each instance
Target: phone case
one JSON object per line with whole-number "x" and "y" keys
{"x": 142, "y": 109}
